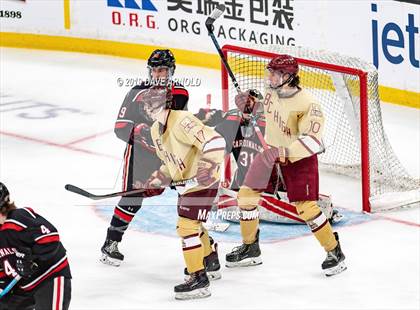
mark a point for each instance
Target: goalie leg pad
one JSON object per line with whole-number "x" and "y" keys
{"x": 318, "y": 223}
{"x": 189, "y": 230}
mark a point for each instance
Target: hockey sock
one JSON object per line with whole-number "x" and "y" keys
{"x": 123, "y": 215}
{"x": 194, "y": 258}
{"x": 248, "y": 200}
{"x": 249, "y": 230}
{"x": 326, "y": 237}
{"x": 317, "y": 222}
{"x": 193, "y": 251}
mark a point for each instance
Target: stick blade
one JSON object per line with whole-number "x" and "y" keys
{"x": 79, "y": 191}
{"x": 217, "y": 12}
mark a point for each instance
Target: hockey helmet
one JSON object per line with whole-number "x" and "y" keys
{"x": 4, "y": 195}
{"x": 162, "y": 58}
{"x": 284, "y": 63}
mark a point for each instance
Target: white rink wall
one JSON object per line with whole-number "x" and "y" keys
{"x": 385, "y": 33}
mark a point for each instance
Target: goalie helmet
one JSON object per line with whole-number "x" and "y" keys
{"x": 155, "y": 99}
{"x": 162, "y": 58}
{"x": 284, "y": 64}
{"x": 4, "y": 195}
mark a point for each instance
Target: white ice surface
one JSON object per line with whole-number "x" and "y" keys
{"x": 383, "y": 255}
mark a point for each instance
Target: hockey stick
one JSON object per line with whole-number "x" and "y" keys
{"x": 218, "y": 11}
{"x": 82, "y": 192}
{"x": 9, "y": 287}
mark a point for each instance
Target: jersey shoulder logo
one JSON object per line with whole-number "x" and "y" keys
{"x": 187, "y": 124}
{"x": 316, "y": 110}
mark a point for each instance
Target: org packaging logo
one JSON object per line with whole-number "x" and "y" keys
{"x": 124, "y": 16}
{"x": 146, "y": 5}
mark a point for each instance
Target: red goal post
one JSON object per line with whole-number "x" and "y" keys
{"x": 331, "y": 80}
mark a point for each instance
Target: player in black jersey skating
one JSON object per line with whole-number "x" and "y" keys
{"x": 140, "y": 160}
{"x": 30, "y": 248}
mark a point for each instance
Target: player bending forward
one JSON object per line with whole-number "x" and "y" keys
{"x": 30, "y": 247}
{"x": 294, "y": 123}
{"x": 188, "y": 150}
{"x": 140, "y": 160}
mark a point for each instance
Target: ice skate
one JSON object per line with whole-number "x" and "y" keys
{"x": 110, "y": 253}
{"x": 197, "y": 286}
{"x": 334, "y": 263}
{"x": 245, "y": 255}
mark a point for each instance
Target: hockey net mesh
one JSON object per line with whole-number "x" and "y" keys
{"x": 391, "y": 185}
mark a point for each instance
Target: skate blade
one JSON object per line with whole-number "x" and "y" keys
{"x": 335, "y": 270}
{"x": 247, "y": 262}
{"x": 105, "y": 259}
{"x": 212, "y": 275}
{"x": 195, "y": 294}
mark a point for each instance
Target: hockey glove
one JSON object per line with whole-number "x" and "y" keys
{"x": 25, "y": 266}
{"x": 210, "y": 117}
{"x": 248, "y": 102}
{"x": 156, "y": 184}
{"x": 243, "y": 102}
{"x": 142, "y": 136}
{"x": 206, "y": 170}
{"x": 274, "y": 155}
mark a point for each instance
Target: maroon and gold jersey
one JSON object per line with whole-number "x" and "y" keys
{"x": 183, "y": 142}
{"x": 295, "y": 122}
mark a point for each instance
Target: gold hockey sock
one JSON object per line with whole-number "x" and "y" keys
{"x": 249, "y": 230}
{"x": 193, "y": 251}
{"x": 326, "y": 237}
{"x": 317, "y": 222}
{"x": 194, "y": 259}
{"x": 247, "y": 201}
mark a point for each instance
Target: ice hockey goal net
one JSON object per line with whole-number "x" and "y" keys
{"x": 347, "y": 88}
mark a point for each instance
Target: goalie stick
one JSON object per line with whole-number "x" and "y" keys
{"x": 82, "y": 192}
{"x": 218, "y": 11}
{"x": 9, "y": 287}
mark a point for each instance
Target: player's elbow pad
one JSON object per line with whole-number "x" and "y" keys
{"x": 215, "y": 144}
{"x": 312, "y": 144}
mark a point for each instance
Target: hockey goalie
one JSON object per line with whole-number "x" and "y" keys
{"x": 240, "y": 129}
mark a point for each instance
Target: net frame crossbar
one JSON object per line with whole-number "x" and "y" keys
{"x": 364, "y": 101}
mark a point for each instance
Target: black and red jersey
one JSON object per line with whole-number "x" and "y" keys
{"x": 25, "y": 229}
{"x": 242, "y": 141}
{"x": 140, "y": 160}
{"x": 132, "y": 114}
